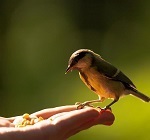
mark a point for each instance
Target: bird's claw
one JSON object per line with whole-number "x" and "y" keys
{"x": 107, "y": 108}
{"x": 82, "y": 105}
{"x": 98, "y": 107}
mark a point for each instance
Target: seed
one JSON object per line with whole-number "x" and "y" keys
{"x": 26, "y": 116}
{"x": 41, "y": 119}
{"x": 23, "y": 121}
{"x": 20, "y": 125}
{"x": 32, "y": 121}
{"x": 27, "y": 122}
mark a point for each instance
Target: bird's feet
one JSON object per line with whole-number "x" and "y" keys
{"x": 107, "y": 108}
{"x": 88, "y": 103}
{"x": 104, "y": 108}
{"x": 82, "y": 105}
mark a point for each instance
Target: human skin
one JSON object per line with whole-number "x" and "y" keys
{"x": 59, "y": 123}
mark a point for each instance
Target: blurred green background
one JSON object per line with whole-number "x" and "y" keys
{"x": 37, "y": 38}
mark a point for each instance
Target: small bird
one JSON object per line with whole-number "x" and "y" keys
{"x": 101, "y": 77}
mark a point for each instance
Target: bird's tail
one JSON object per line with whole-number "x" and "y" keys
{"x": 140, "y": 95}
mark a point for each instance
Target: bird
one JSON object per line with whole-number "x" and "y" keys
{"x": 100, "y": 76}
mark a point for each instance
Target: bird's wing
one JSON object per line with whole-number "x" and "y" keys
{"x": 113, "y": 73}
{"x": 120, "y": 76}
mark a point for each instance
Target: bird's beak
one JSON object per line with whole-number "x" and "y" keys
{"x": 68, "y": 69}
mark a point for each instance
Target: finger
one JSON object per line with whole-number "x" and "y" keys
{"x": 105, "y": 117}
{"x": 11, "y": 119}
{"x": 74, "y": 119}
{"x": 46, "y": 113}
{"x": 5, "y": 123}
{"x": 52, "y": 118}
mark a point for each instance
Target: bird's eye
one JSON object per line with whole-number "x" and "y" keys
{"x": 76, "y": 59}
{"x": 79, "y": 56}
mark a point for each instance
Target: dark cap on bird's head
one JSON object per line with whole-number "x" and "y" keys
{"x": 76, "y": 57}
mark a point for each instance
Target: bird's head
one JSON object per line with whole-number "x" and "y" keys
{"x": 80, "y": 59}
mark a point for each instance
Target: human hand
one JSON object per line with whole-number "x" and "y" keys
{"x": 59, "y": 123}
